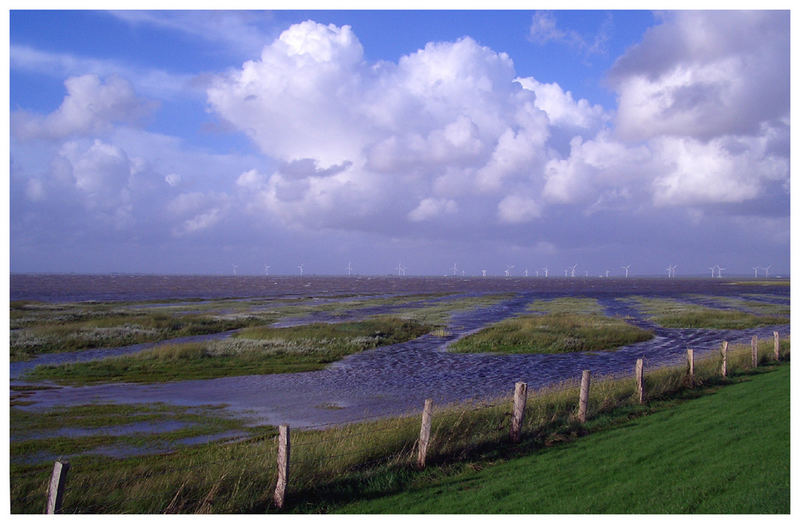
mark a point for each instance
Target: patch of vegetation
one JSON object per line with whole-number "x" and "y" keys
{"x": 439, "y": 313}
{"x": 552, "y": 333}
{"x": 757, "y": 307}
{"x": 252, "y": 351}
{"x": 671, "y": 313}
{"x": 111, "y": 331}
{"x": 781, "y": 282}
{"x": 83, "y": 429}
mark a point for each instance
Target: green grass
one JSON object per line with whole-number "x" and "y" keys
{"x": 722, "y": 453}
{"x": 552, "y": 333}
{"x": 676, "y": 314}
{"x": 334, "y": 466}
{"x": 255, "y": 350}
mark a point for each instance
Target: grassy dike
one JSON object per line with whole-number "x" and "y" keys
{"x": 726, "y": 452}
{"x": 733, "y": 439}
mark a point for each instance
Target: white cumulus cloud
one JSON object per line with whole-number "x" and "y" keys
{"x": 362, "y": 143}
{"x": 90, "y": 106}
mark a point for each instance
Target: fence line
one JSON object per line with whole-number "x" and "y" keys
{"x": 58, "y": 478}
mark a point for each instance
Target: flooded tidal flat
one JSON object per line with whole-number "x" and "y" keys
{"x": 389, "y": 379}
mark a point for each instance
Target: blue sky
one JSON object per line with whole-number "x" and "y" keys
{"x": 196, "y": 141}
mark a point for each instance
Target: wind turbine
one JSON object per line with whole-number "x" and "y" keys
{"x": 349, "y": 269}
{"x": 508, "y": 270}
{"x": 572, "y": 270}
{"x": 712, "y": 271}
{"x": 235, "y": 267}
{"x": 626, "y": 268}
{"x": 755, "y": 272}
{"x": 300, "y": 267}
{"x": 266, "y": 270}
{"x": 401, "y": 269}
{"x": 455, "y": 268}
{"x": 671, "y": 271}
{"x": 546, "y": 271}
{"x": 607, "y": 272}
{"x": 526, "y": 272}
{"x": 483, "y": 272}
{"x": 766, "y": 271}
{"x": 719, "y": 271}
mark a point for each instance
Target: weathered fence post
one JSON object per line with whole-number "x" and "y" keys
{"x": 640, "y": 379}
{"x": 584, "y": 397}
{"x": 55, "y": 492}
{"x": 724, "y": 358}
{"x": 424, "y": 433}
{"x": 777, "y": 338}
{"x": 517, "y": 416}
{"x": 754, "y": 350}
{"x": 283, "y": 466}
{"x": 690, "y": 363}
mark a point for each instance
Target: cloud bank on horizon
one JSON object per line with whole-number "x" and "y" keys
{"x": 445, "y": 152}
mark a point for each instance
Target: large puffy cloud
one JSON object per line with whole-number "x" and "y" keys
{"x": 416, "y": 140}
{"x": 90, "y": 107}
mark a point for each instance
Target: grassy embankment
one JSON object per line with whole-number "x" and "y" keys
{"x": 38, "y": 328}
{"x": 260, "y": 349}
{"x": 672, "y": 313}
{"x": 726, "y": 452}
{"x": 333, "y": 467}
{"x": 562, "y": 325}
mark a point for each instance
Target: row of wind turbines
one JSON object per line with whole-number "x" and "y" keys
{"x": 716, "y": 271}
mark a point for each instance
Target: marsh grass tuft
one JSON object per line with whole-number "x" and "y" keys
{"x": 559, "y": 332}
{"x": 671, "y": 313}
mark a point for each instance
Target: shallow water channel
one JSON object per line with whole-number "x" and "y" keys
{"x": 396, "y": 379}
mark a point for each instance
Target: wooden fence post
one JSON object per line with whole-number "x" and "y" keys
{"x": 55, "y": 492}
{"x": 584, "y": 397}
{"x": 724, "y": 358}
{"x": 283, "y": 466}
{"x": 777, "y": 338}
{"x": 754, "y": 350}
{"x": 690, "y": 363}
{"x": 640, "y": 379}
{"x": 517, "y": 416}
{"x": 424, "y": 433}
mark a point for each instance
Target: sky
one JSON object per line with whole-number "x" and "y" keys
{"x": 214, "y": 142}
